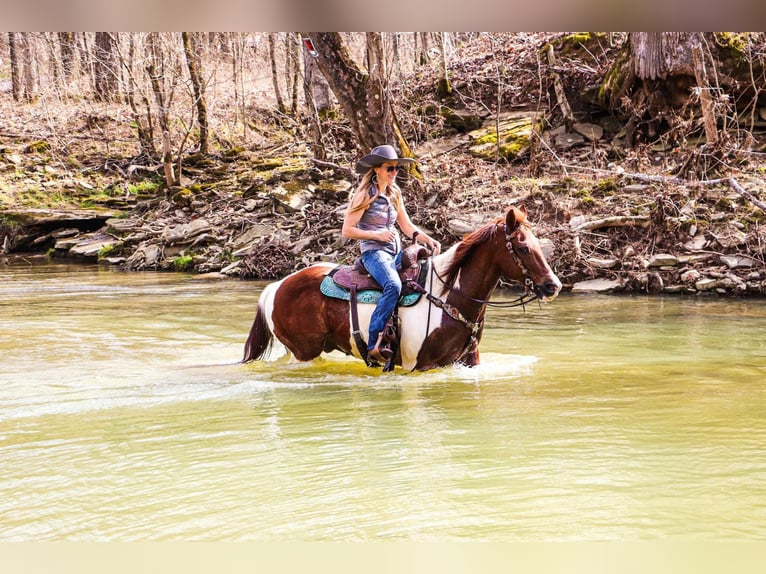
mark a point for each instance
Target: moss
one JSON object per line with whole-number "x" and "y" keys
{"x": 294, "y": 185}
{"x": 513, "y": 139}
{"x": 233, "y": 152}
{"x": 106, "y": 250}
{"x": 182, "y": 196}
{"x": 38, "y": 147}
{"x": 736, "y": 41}
{"x": 182, "y": 262}
{"x": 606, "y": 186}
{"x": 267, "y": 164}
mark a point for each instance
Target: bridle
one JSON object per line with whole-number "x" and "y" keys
{"x": 455, "y": 313}
{"x": 529, "y": 294}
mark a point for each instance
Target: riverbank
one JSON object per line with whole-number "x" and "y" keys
{"x": 254, "y": 218}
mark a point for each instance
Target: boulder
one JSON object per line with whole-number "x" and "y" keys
{"x": 663, "y": 260}
{"x": 597, "y": 285}
{"x": 90, "y": 245}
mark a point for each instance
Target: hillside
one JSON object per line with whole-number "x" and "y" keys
{"x": 657, "y": 216}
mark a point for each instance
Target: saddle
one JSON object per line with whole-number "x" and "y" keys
{"x": 343, "y": 279}
{"x": 352, "y": 283}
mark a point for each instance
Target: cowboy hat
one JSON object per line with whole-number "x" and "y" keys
{"x": 380, "y": 155}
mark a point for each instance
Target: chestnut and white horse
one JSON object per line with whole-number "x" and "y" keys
{"x": 442, "y": 328}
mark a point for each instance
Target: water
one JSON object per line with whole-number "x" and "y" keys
{"x": 125, "y": 416}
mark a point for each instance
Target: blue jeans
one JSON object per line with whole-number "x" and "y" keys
{"x": 383, "y": 268}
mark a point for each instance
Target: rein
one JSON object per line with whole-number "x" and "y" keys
{"x": 527, "y": 297}
{"x": 455, "y": 313}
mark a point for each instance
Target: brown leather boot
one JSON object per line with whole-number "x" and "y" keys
{"x": 379, "y": 353}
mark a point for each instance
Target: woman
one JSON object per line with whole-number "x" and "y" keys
{"x": 370, "y": 216}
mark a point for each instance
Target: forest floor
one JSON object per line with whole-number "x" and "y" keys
{"x": 646, "y": 218}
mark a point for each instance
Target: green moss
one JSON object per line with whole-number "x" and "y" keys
{"x": 606, "y": 186}
{"x": 267, "y": 164}
{"x": 512, "y": 141}
{"x": 182, "y": 196}
{"x": 736, "y": 41}
{"x": 182, "y": 262}
{"x": 106, "y": 250}
{"x": 38, "y": 147}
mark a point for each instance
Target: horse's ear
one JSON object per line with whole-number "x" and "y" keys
{"x": 516, "y": 216}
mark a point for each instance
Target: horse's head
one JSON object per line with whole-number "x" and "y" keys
{"x": 526, "y": 261}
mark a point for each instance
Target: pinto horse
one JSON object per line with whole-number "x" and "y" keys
{"x": 442, "y": 328}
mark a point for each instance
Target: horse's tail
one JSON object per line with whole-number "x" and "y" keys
{"x": 261, "y": 338}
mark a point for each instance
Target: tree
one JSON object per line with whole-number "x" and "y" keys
{"x": 198, "y": 87}
{"x": 23, "y": 77}
{"x": 362, "y": 94}
{"x": 275, "y": 73}
{"x": 67, "y": 49}
{"x": 105, "y": 66}
{"x": 657, "y": 74}
{"x": 16, "y": 83}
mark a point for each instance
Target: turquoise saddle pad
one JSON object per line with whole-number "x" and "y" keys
{"x": 331, "y": 289}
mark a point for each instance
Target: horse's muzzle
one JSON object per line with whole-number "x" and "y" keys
{"x": 548, "y": 290}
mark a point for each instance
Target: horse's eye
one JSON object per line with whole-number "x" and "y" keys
{"x": 523, "y": 249}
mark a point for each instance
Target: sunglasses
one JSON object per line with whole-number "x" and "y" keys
{"x": 392, "y": 168}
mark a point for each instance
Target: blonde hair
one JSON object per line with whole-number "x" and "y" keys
{"x": 361, "y": 199}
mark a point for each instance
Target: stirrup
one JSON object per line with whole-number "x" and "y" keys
{"x": 379, "y": 354}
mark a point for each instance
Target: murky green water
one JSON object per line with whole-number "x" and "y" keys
{"x": 124, "y": 416}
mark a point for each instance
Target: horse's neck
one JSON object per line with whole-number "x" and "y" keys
{"x": 477, "y": 277}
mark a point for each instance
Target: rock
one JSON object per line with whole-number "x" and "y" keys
{"x": 690, "y": 276}
{"x": 89, "y": 246}
{"x": 663, "y": 260}
{"x": 460, "y": 227}
{"x": 602, "y": 263}
{"x": 568, "y": 140}
{"x": 706, "y": 284}
{"x": 736, "y": 261}
{"x": 696, "y": 243}
{"x": 510, "y": 137}
{"x": 597, "y": 285}
{"x": 289, "y": 202}
{"x": 730, "y": 237}
{"x": 117, "y": 225}
{"x": 255, "y": 232}
{"x": 591, "y": 132}
{"x": 186, "y": 232}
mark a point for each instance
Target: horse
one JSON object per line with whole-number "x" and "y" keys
{"x": 443, "y": 328}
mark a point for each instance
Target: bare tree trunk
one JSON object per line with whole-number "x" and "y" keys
{"x": 361, "y": 94}
{"x": 105, "y": 69}
{"x": 316, "y": 84}
{"x": 199, "y": 91}
{"x": 16, "y": 66}
{"x": 67, "y": 50}
{"x": 29, "y": 76}
{"x": 143, "y": 128}
{"x": 293, "y": 46}
{"x": 445, "y": 87}
{"x": 155, "y": 71}
{"x": 423, "y": 57}
{"x": 274, "y": 73}
{"x": 706, "y": 99}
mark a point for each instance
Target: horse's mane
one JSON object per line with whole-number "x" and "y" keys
{"x": 471, "y": 241}
{"x": 466, "y": 248}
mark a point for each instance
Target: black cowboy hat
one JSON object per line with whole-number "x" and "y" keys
{"x": 378, "y": 156}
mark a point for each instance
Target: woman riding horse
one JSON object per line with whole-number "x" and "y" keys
{"x": 443, "y": 327}
{"x": 369, "y": 218}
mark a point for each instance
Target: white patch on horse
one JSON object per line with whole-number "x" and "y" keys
{"x": 417, "y": 321}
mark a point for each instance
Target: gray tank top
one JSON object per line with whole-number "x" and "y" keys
{"x": 381, "y": 214}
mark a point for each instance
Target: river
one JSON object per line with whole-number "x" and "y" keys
{"x": 126, "y": 416}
